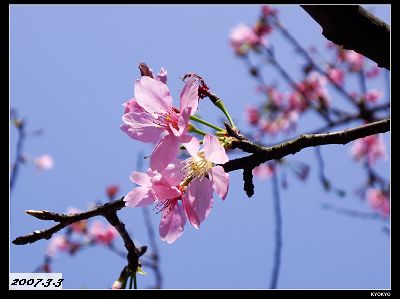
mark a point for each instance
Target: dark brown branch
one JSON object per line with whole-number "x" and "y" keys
{"x": 65, "y": 220}
{"x": 133, "y": 252}
{"x": 355, "y": 28}
{"x": 248, "y": 181}
{"x": 314, "y": 65}
{"x": 107, "y": 210}
{"x": 263, "y": 154}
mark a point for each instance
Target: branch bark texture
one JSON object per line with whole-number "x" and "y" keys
{"x": 354, "y": 28}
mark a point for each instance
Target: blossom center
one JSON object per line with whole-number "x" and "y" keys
{"x": 196, "y": 167}
{"x": 169, "y": 118}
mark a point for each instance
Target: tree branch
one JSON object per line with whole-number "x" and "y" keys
{"x": 65, "y": 220}
{"x": 263, "y": 154}
{"x": 107, "y": 210}
{"x": 355, "y": 28}
{"x": 278, "y": 231}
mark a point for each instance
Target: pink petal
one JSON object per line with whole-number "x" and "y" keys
{"x": 172, "y": 224}
{"x": 213, "y": 150}
{"x": 153, "y": 95}
{"x": 219, "y": 181}
{"x": 198, "y": 201}
{"x": 183, "y": 120}
{"x": 162, "y": 75}
{"x": 190, "y": 96}
{"x": 173, "y": 173}
{"x": 141, "y": 126}
{"x": 44, "y": 162}
{"x": 132, "y": 106}
{"x": 162, "y": 192}
{"x": 140, "y": 178}
{"x": 164, "y": 153}
{"x": 191, "y": 144}
{"x": 139, "y": 197}
{"x": 182, "y": 123}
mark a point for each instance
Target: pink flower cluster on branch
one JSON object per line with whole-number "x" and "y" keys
{"x": 81, "y": 234}
{"x": 151, "y": 118}
{"x": 379, "y": 201}
{"x": 181, "y": 189}
{"x": 244, "y": 38}
{"x": 371, "y": 148}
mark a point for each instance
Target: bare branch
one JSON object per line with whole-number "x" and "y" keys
{"x": 65, "y": 220}
{"x": 355, "y": 28}
{"x": 263, "y": 154}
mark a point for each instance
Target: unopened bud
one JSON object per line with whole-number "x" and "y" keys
{"x": 117, "y": 285}
{"x": 145, "y": 70}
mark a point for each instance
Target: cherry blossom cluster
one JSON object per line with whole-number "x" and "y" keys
{"x": 244, "y": 38}
{"x": 371, "y": 148}
{"x": 181, "y": 189}
{"x": 379, "y": 201}
{"x": 323, "y": 79}
{"x": 80, "y": 235}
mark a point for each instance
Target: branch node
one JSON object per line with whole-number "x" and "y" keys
{"x": 248, "y": 181}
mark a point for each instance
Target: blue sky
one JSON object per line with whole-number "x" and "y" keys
{"x": 71, "y": 69}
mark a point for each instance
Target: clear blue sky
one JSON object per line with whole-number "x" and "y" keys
{"x": 72, "y": 67}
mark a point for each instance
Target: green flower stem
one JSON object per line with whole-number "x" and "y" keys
{"x": 220, "y": 104}
{"x": 196, "y": 130}
{"x": 202, "y": 121}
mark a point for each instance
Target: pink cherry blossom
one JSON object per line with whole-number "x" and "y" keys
{"x": 355, "y": 60}
{"x": 243, "y": 38}
{"x": 371, "y": 147}
{"x": 183, "y": 190}
{"x": 372, "y": 72}
{"x": 252, "y": 114}
{"x": 336, "y": 75}
{"x": 205, "y": 175}
{"x": 275, "y": 96}
{"x": 57, "y": 243}
{"x": 44, "y": 162}
{"x": 160, "y": 122}
{"x": 379, "y": 201}
{"x": 373, "y": 95}
{"x": 101, "y": 233}
{"x": 268, "y": 11}
{"x": 163, "y": 189}
{"x": 296, "y": 102}
{"x": 285, "y": 121}
{"x": 154, "y": 186}
{"x": 263, "y": 171}
{"x": 79, "y": 226}
{"x": 314, "y": 87}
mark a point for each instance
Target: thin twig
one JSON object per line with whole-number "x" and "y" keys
{"x": 278, "y": 231}
{"x": 19, "y": 157}
{"x": 155, "y": 256}
{"x": 65, "y": 220}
